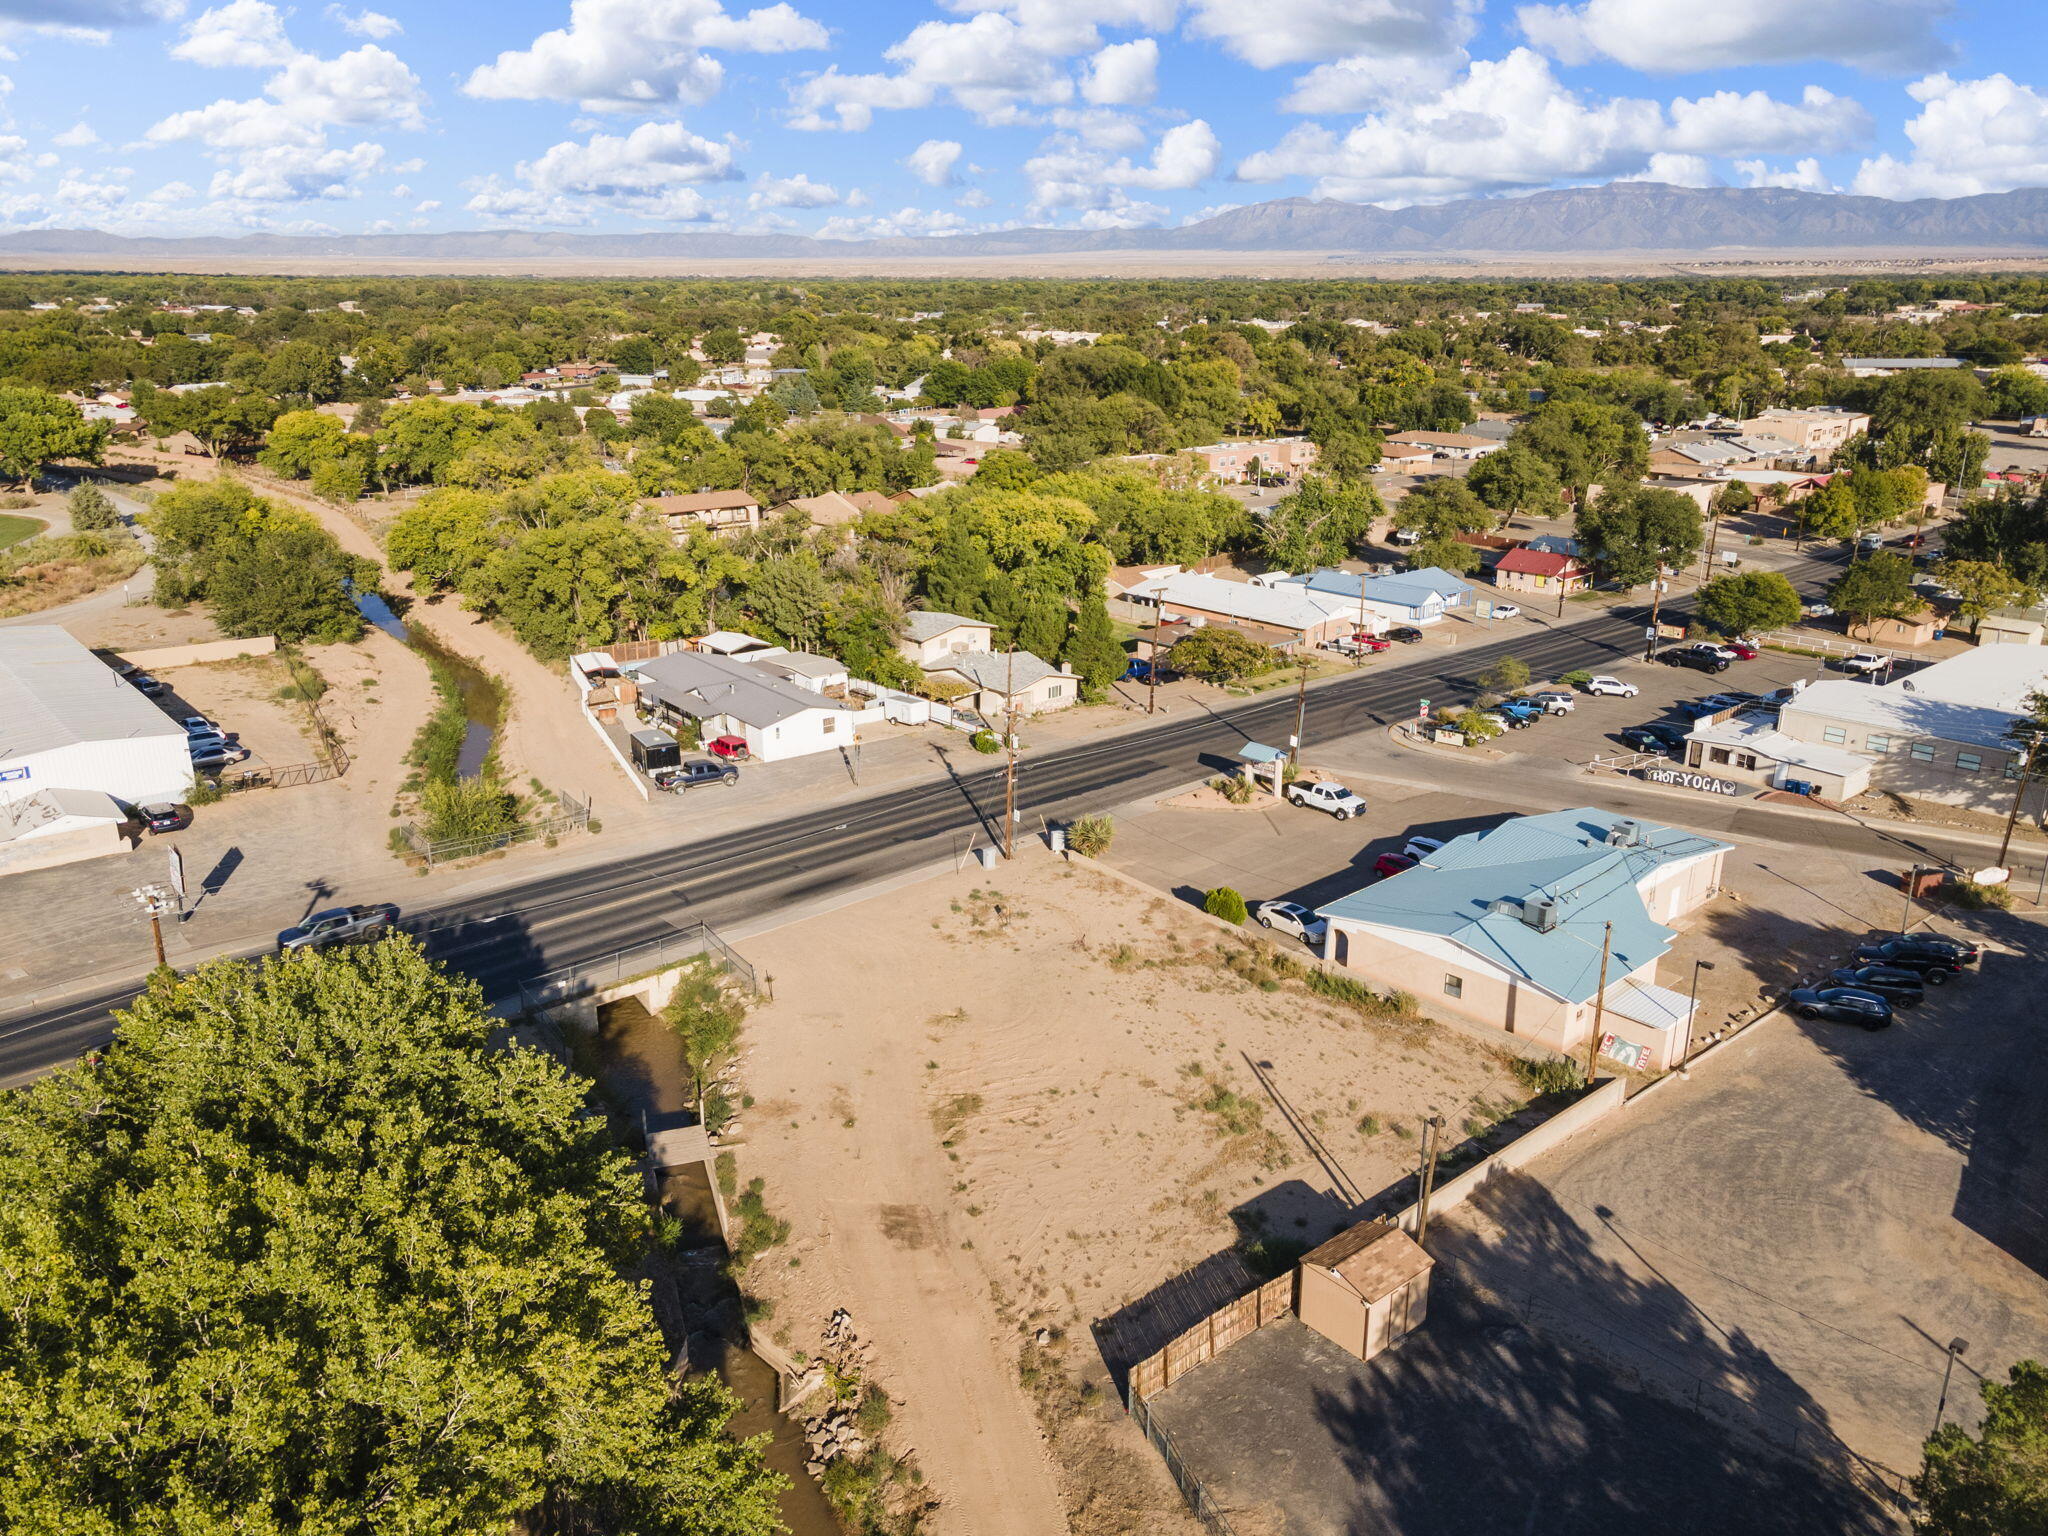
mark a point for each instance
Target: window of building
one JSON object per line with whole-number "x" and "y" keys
{"x": 1878, "y": 744}
{"x": 1056, "y": 691}
{"x": 1970, "y": 762}
{"x": 1923, "y": 751}
{"x": 831, "y": 724}
{"x": 1835, "y": 735}
{"x": 1454, "y": 986}
{"x": 1745, "y": 760}
{"x": 1717, "y": 754}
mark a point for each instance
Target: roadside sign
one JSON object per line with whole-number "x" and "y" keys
{"x": 1422, "y": 710}
{"x": 1649, "y": 631}
{"x": 178, "y": 873}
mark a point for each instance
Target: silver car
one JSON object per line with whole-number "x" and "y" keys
{"x": 340, "y": 925}
{"x": 1291, "y": 917}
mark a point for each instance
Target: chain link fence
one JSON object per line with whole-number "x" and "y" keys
{"x": 569, "y": 815}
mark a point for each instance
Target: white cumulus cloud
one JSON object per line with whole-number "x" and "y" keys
{"x": 370, "y": 24}
{"x": 631, "y": 55}
{"x": 1069, "y": 175}
{"x": 651, "y": 173}
{"x": 797, "y": 191}
{"x": 78, "y": 136}
{"x": 246, "y": 33}
{"x": 1970, "y": 136}
{"x": 1681, "y": 36}
{"x": 932, "y": 162}
{"x": 1123, "y": 74}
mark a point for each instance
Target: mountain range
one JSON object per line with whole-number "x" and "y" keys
{"x": 1619, "y": 217}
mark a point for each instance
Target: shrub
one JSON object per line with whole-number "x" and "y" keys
{"x": 985, "y": 742}
{"x": 92, "y": 509}
{"x": 1578, "y": 677}
{"x": 1090, "y": 836}
{"x": 1225, "y": 903}
{"x": 1476, "y": 727}
{"x": 468, "y": 810}
{"x": 1975, "y": 897}
{"x": 1508, "y": 674}
{"x": 1551, "y": 1074}
{"x": 1234, "y": 787}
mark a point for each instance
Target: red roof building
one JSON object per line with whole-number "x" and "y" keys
{"x": 1540, "y": 570}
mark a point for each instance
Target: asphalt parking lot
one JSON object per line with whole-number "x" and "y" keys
{"x": 1832, "y": 1206}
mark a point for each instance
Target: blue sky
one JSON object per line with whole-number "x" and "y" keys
{"x": 850, "y": 119}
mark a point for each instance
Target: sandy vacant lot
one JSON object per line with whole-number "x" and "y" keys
{"x": 998, "y": 1110}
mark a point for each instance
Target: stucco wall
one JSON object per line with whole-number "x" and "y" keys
{"x": 165, "y": 657}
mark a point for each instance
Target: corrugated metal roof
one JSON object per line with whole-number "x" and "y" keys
{"x": 702, "y": 685}
{"x": 1478, "y": 891}
{"x": 56, "y": 693}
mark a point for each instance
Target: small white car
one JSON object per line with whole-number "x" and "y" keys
{"x": 1420, "y": 848}
{"x": 1506, "y": 611}
{"x": 1818, "y": 611}
{"x": 1291, "y": 917}
{"x": 1613, "y": 685}
{"x": 1322, "y": 795}
{"x": 1714, "y": 648}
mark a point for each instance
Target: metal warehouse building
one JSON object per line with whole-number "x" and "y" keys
{"x": 69, "y": 722}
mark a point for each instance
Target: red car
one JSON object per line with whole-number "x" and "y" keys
{"x": 1743, "y": 650}
{"x": 1391, "y": 864}
{"x": 1371, "y": 643}
{"x": 733, "y": 747}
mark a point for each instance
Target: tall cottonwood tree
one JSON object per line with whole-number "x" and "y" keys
{"x": 303, "y": 1253}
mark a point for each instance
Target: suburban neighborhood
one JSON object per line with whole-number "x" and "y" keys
{"x": 1147, "y": 911}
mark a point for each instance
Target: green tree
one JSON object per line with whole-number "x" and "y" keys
{"x": 1630, "y": 529}
{"x": 722, "y": 346}
{"x": 1993, "y": 1483}
{"x": 1093, "y": 650}
{"x": 1982, "y": 586}
{"x": 37, "y": 427}
{"x": 1830, "y": 512}
{"x": 705, "y": 1015}
{"x": 1587, "y": 443}
{"x": 1508, "y": 674}
{"x": 1880, "y": 587}
{"x": 1222, "y": 656}
{"x": 1749, "y": 602}
{"x": 1516, "y": 479}
{"x": 303, "y": 370}
{"x": 301, "y": 441}
{"x": 92, "y": 509}
{"x": 302, "y": 1251}
{"x": 790, "y": 597}
{"x": 1320, "y": 523}
{"x": 1226, "y": 903}
{"x": 959, "y": 576}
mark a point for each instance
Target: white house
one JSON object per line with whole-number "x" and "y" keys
{"x": 726, "y": 696}
{"x": 68, "y": 721}
{"x": 930, "y": 636}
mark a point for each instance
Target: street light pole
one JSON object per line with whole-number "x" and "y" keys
{"x": 1692, "y": 1012}
{"x": 1956, "y": 1347}
{"x": 1010, "y": 769}
{"x": 1300, "y": 710}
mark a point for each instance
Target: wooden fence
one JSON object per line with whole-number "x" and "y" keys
{"x": 1211, "y": 1336}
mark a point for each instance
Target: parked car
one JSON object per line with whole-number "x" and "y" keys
{"x": 1908, "y": 541}
{"x": 340, "y": 925}
{"x": 1778, "y": 698}
{"x": 1554, "y": 703}
{"x": 213, "y": 759}
{"x": 149, "y": 686}
{"x": 1520, "y": 714}
{"x": 1361, "y": 642}
{"x": 732, "y": 748}
{"x": 1322, "y": 795}
{"x": 199, "y": 725}
{"x": 1391, "y": 864}
{"x": 1714, "y": 648}
{"x": 1699, "y": 709}
{"x": 695, "y": 771}
{"x": 1506, "y": 611}
{"x": 1742, "y": 650}
{"x": 1864, "y": 663}
{"x": 1406, "y": 633}
{"x": 1934, "y": 957}
{"x": 1699, "y": 661}
{"x": 1291, "y": 917}
{"x": 1818, "y": 611}
{"x": 1896, "y": 985}
{"x": 165, "y": 817}
{"x": 1844, "y": 1005}
{"x": 1407, "y": 536}
{"x": 1140, "y": 671}
{"x": 1654, "y": 738}
{"x": 1611, "y": 685}
{"x": 1420, "y": 848}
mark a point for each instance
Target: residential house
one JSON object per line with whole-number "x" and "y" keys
{"x": 1266, "y": 458}
{"x": 1517, "y": 927}
{"x": 836, "y": 508}
{"x": 1006, "y": 680}
{"x": 1541, "y": 571}
{"x": 1936, "y": 735}
{"x": 820, "y": 674}
{"x": 1885, "y": 367}
{"x": 2013, "y": 626}
{"x": 730, "y": 642}
{"x": 1405, "y": 456}
{"x": 731, "y": 696}
{"x": 1449, "y": 445}
{"x": 930, "y": 636}
{"x": 720, "y": 511}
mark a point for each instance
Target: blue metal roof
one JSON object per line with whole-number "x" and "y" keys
{"x": 1252, "y": 752}
{"x": 1480, "y": 891}
{"x": 1406, "y": 589}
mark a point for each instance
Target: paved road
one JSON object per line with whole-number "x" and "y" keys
{"x": 577, "y": 917}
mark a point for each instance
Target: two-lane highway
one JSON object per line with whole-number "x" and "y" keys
{"x": 561, "y": 919}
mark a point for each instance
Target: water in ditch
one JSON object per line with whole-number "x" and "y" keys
{"x": 483, "y": 704}
{"x": 642, "y": 1065}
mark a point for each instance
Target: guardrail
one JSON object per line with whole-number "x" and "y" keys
{"x": 571, "y": 982}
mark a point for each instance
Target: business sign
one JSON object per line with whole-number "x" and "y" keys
{"x": 1670, "y": 631}
{"x": 8, "y": 775}
{"x": 1625, "y": 1053}
{"x": 1685, "y": 778}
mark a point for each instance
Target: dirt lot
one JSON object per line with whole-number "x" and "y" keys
{"x": 998, "y": 1112}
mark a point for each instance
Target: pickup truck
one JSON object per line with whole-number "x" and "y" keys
{"x": 1520, "y": 714}
{"x": 1863, "y": 663}
{"x": 1358, "y": 645}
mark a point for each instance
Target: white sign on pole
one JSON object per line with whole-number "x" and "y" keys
{"x": 178, "y": 873}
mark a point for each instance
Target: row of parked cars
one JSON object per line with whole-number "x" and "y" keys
{"x": 1883, "y": 976}
{"x": 1297, "y": 921}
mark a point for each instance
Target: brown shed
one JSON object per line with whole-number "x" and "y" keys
{"x": 1366, "y": 1289}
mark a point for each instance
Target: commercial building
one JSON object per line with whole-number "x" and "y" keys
{"x": 1517, "y": 927}
{"x": 1266, "y": 458}
{"x": 1936, "y": 735}
{"x": 1449, "y": 445}
{"x": 1814, "y": 433}
{"x": 1295, "y": 617}
{"x": 1750, "y": 750}
{"x": 69, "y": 721}
{"x": 1543, "y": 573}
{"x": 1401, "y": 597}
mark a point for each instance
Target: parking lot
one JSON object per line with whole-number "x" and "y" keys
{"x": 1832, "y": 1206}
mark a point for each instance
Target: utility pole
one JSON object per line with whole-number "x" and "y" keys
{"x": 1713, "y": 539}
{"x": 1656, "y": 603}
{"x": 1432, "y": 1146}
{"x": 1906, "y": 916}
{"x": 1599, "y": 1006}
{"x": 1152, "y": 671}
{"x": 1010, "y": 770}
{"x": 156, "y": 901}
{"x": 1300, "y": 709}
{"x": 2019, "y": 796}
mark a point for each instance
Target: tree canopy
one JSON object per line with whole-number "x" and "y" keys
{"x": 303, "y": 1252}
{"x": 1993, "y": 1483}
{"x": 1631, "y": 529}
